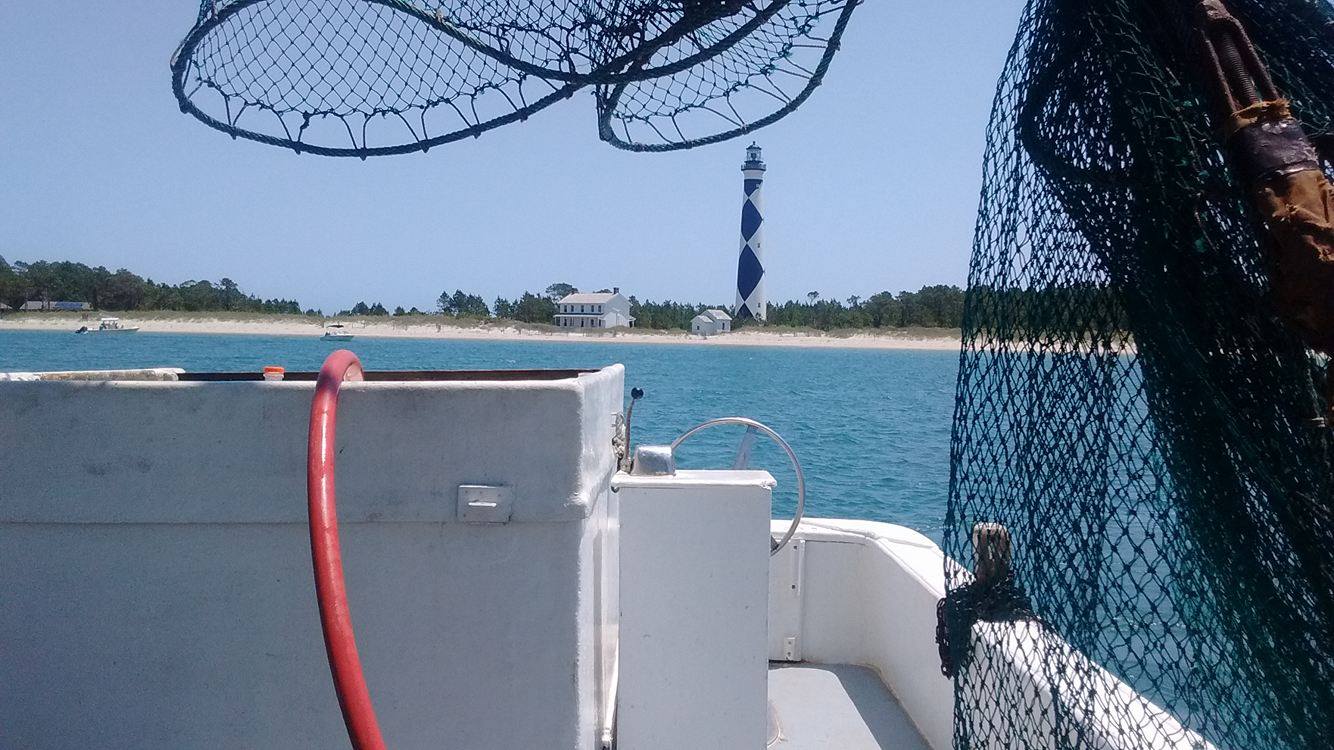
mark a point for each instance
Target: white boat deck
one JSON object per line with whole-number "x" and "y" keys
{"x": 105, "y": 562}
{"x": 820, "y": 706}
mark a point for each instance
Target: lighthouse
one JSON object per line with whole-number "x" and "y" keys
{"x": 750, "y": 301}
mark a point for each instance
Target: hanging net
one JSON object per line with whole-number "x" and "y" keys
{"x": 754, "y": 82}
{"x": 1141, "y": 460}
{"x": 603, "y": 42}
{"x": 376, "y": 77}
{"x": 345, "y": 78}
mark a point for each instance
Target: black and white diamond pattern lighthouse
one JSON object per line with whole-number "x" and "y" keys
{"x": 750, "y": 301}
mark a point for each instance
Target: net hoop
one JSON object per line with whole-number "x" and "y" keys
{"x": 209, "y": 22}
{"x": 624, "y": 68}
{"x": 611, "y": 97}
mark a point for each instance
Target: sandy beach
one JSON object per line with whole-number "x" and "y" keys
{"x": 431, "y": 327}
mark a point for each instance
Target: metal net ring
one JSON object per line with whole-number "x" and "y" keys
{"x": 345, "y": 78}
{"x": 561, "y": 41}
{"x": 755, "y": 83}
{"x": 377, "y": 77}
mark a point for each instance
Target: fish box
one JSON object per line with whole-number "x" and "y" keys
{"x": 157, "y": 572}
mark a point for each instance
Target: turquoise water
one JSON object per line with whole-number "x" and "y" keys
{"x": 871, "y": 427}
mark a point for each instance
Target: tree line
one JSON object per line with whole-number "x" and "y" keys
{"x": 120, "y": 290}
{"x": 936, "y": 306}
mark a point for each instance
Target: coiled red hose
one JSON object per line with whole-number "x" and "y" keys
{"x": 330, "y": 590}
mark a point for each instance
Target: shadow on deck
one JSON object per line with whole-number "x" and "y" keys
{"x": 820, "y": 706}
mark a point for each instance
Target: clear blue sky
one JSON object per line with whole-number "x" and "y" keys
{"x": 867, "y": 189}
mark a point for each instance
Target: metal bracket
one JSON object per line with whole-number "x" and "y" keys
{"x": 482, "y": 503}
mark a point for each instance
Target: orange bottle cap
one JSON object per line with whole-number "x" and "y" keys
{"x": 273, "y": 369}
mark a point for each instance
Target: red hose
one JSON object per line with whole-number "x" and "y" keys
{"x": 330, "y": 590}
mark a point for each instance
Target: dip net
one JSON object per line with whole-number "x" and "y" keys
{"x": 1133, "y": 411}
{"x": 377, "y": 77}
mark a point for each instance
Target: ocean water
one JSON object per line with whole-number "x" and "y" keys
{"x": 871, "y": 427}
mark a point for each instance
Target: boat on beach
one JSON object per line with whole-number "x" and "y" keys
{"x": 108, "y": 325}
{"x": 336, "y": 332}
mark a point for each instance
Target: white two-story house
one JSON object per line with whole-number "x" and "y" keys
{"x": 595, "y": 310}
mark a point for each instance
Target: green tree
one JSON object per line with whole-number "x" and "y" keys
{"x": 121, "y": 290}
{"x": 882, "y": 310}
{"x": 560, "y": 289}
{"x": 462, "y": 305}
{"x": 531, "y": 308}
{"x": 229, "y": 293}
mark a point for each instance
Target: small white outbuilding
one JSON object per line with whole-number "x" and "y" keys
{"x": 711, "y": 322}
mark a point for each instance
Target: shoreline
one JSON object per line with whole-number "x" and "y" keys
{"x": 909, "y": 339}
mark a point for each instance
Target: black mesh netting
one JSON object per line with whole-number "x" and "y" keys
{"x": 1133, "y": 411}
{"x": 604, "y": 41}
{"x": 375, "y": 77}
{"x": 756, "y": 81}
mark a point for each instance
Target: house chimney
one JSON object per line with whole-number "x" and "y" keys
{"x": 616, "y": 290}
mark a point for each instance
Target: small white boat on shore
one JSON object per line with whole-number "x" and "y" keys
{"x": 336, "y": 332}
{"x": 108, "y": 325}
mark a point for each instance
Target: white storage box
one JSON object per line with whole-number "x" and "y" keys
{"x": 157, "y": 575}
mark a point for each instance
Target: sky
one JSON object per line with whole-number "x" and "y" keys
{"x": 872, "y": 184}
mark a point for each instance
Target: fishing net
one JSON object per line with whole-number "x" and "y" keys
{"x": 756, "y": 81}
{"x": 376, "y": 77}
{"x": 1139, "y": 461}
{"x": 606, "y": 42}
{"x": 345, "y": 78}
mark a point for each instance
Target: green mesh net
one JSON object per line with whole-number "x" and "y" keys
{"x": 1133, "y": 411}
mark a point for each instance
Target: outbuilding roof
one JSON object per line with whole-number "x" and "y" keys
{"x": 717, "y": 314}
